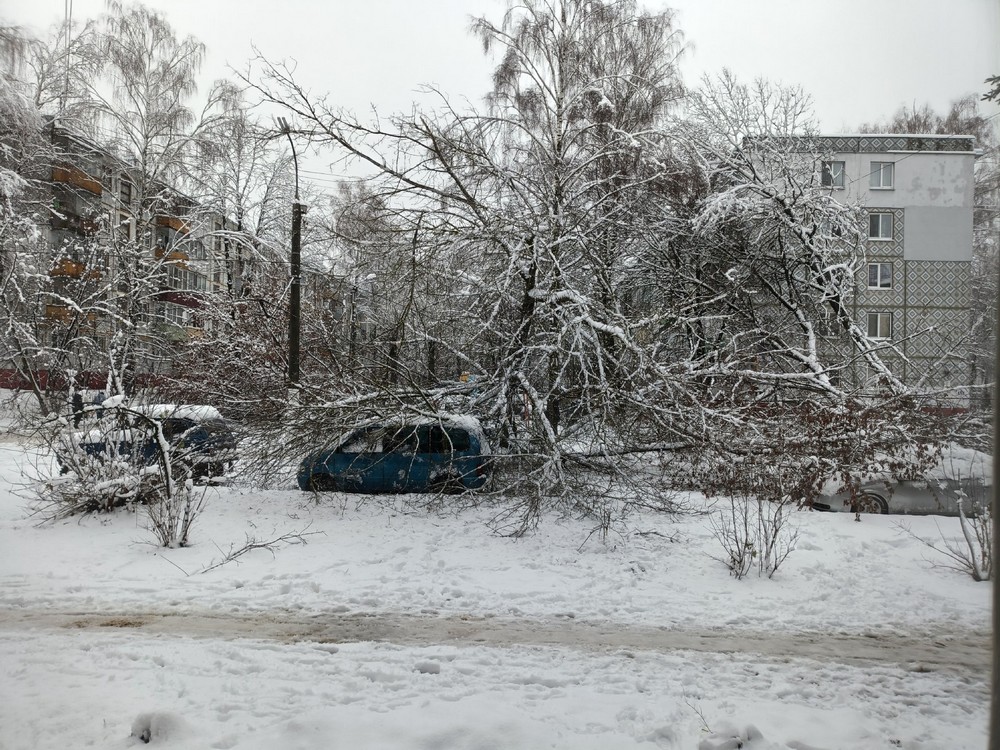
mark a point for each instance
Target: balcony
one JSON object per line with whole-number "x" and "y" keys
{"x": 67, "y": 267}
{"x": 172, "y": 255}
{"x": 77, "y": 178}
{"x": 175, "y": 223}
{"x": 77, "y": 224}
{"x": 74, "y": 269}
{"x": 66, "y": 315}
{"x": 167, "y": 331}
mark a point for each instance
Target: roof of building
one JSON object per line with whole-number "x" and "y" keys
{"x": 880, "y": 143}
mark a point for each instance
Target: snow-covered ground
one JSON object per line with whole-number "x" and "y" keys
{"x": 396, "y": 629}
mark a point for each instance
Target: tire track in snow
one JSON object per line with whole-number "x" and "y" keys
{"x": 918, "y": 652}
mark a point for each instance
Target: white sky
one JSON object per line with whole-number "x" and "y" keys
{"x": 860, "y": 59}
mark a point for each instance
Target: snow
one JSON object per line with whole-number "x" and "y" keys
{"x": 194, "y": 412}
{"x": 387, "y": 626}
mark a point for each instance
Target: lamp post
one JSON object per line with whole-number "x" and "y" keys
{"x": 295, "y": 298}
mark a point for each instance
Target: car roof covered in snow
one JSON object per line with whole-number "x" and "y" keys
{"x": 194, "y": 412}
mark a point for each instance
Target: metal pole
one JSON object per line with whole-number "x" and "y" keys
{"x": 295, "y": 300}
{"x": 994, "y": 739}
{"x": 295, "y": 293}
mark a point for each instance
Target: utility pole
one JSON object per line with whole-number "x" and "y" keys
{"x": 994, "y": 736}
{"x": 295, "y": 262}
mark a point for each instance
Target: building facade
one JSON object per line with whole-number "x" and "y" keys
{"x": 913, "y": 290}
{"x": 98, "y": 221}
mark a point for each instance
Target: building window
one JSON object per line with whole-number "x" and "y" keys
{"x": 880, "y": 325}
{"x": 217, "y": 239}
{"x": 880, "y": 275}
{"x": 174, "y": 314}
{"x": 833, "y": 174}
{"x": 880, "y": 226}
{"x": 124, "y": 225}
{"x": 196, "y": 250}
{"x": 164, "y": 237}
{"x": 880, "y": 177}
{"x": 828, "y": 230}
{"x": 125, "y": 192}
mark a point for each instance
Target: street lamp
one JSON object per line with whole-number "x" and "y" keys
{"x": 295, "y": 298}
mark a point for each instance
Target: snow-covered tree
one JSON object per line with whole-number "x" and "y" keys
{"x": 776, "y": 341}
{"x": 525, "y": 216}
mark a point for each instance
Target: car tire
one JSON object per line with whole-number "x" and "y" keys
{"x": 322, "y": 483}
{"x": 446, "y": 484}
{"x": 869, "y": 502}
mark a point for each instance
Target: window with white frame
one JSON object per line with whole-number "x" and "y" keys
{"x": 125, "y": 228}
{"x": 880, "y": 176}
{"x": 880, "y": 325}
{"x": 175, "y": 314}
{"x": 832, "y": 174}
{"x": 880, "y": 226}
{"x": 880, "y": 275}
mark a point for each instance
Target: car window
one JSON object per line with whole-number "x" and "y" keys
{"x": 364, "y": 441}
{"x": 216, "y": 427}
{"x": 459, "y": 439}
{"x": 402, "y": 441}
{"x": 174, "y": 428}
{"x": 438, "y": 440}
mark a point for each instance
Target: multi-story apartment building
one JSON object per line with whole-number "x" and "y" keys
{"x": 98, "y": 221}
{"x": 914, "y": 288}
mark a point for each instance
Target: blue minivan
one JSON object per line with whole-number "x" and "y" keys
{"x": 415, "y": 456}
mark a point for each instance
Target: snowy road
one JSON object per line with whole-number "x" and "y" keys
{"x": 916, "y": 652}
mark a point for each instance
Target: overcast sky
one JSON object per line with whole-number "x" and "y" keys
{"x": 859, "y": 59}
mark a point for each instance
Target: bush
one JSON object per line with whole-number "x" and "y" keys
{"x": 753, "y": 528}
{"x": 109, "y": 464}
{"x": 972, "y": 554}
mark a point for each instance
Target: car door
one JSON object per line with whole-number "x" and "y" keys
{"x": 358, "y": 465}
{"x": 405, "y": 468}
{"x": 447, "y": 457}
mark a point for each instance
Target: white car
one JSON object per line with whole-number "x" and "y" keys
{"x": 962, "y": 475}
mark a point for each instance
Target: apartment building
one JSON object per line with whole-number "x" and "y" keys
{"x": 913, "y": 290}
{"x": 95, "y": 211}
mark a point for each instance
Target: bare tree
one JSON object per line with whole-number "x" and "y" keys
{"x": 530, "y": 209}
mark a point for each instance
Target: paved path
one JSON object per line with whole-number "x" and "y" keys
{"x": 942, "y": 651}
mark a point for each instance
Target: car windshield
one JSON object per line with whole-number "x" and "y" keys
{"x": 368, "y": 440}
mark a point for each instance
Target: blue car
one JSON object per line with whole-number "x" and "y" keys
{"x": 198, "y": 436}
{"x": 438, "y": 456}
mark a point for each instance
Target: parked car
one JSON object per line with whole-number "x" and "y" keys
{"x": 961, "y": 474}
{"x": 198, "y": 437}
{"x": 411, "y": 456}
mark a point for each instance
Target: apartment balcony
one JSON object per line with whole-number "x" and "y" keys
{"x": 76, "y": 224}
{"x": 174, "y": 222}
{"x": 77, "y": 178}
{"x": 183, "y": 297}
{"x": 173, "y": 332}
{"x": 172, "y": 255}
{"x": 74, "y": 269}
{"x": 68, "y": 267}
{"x": 66, "y": 315}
